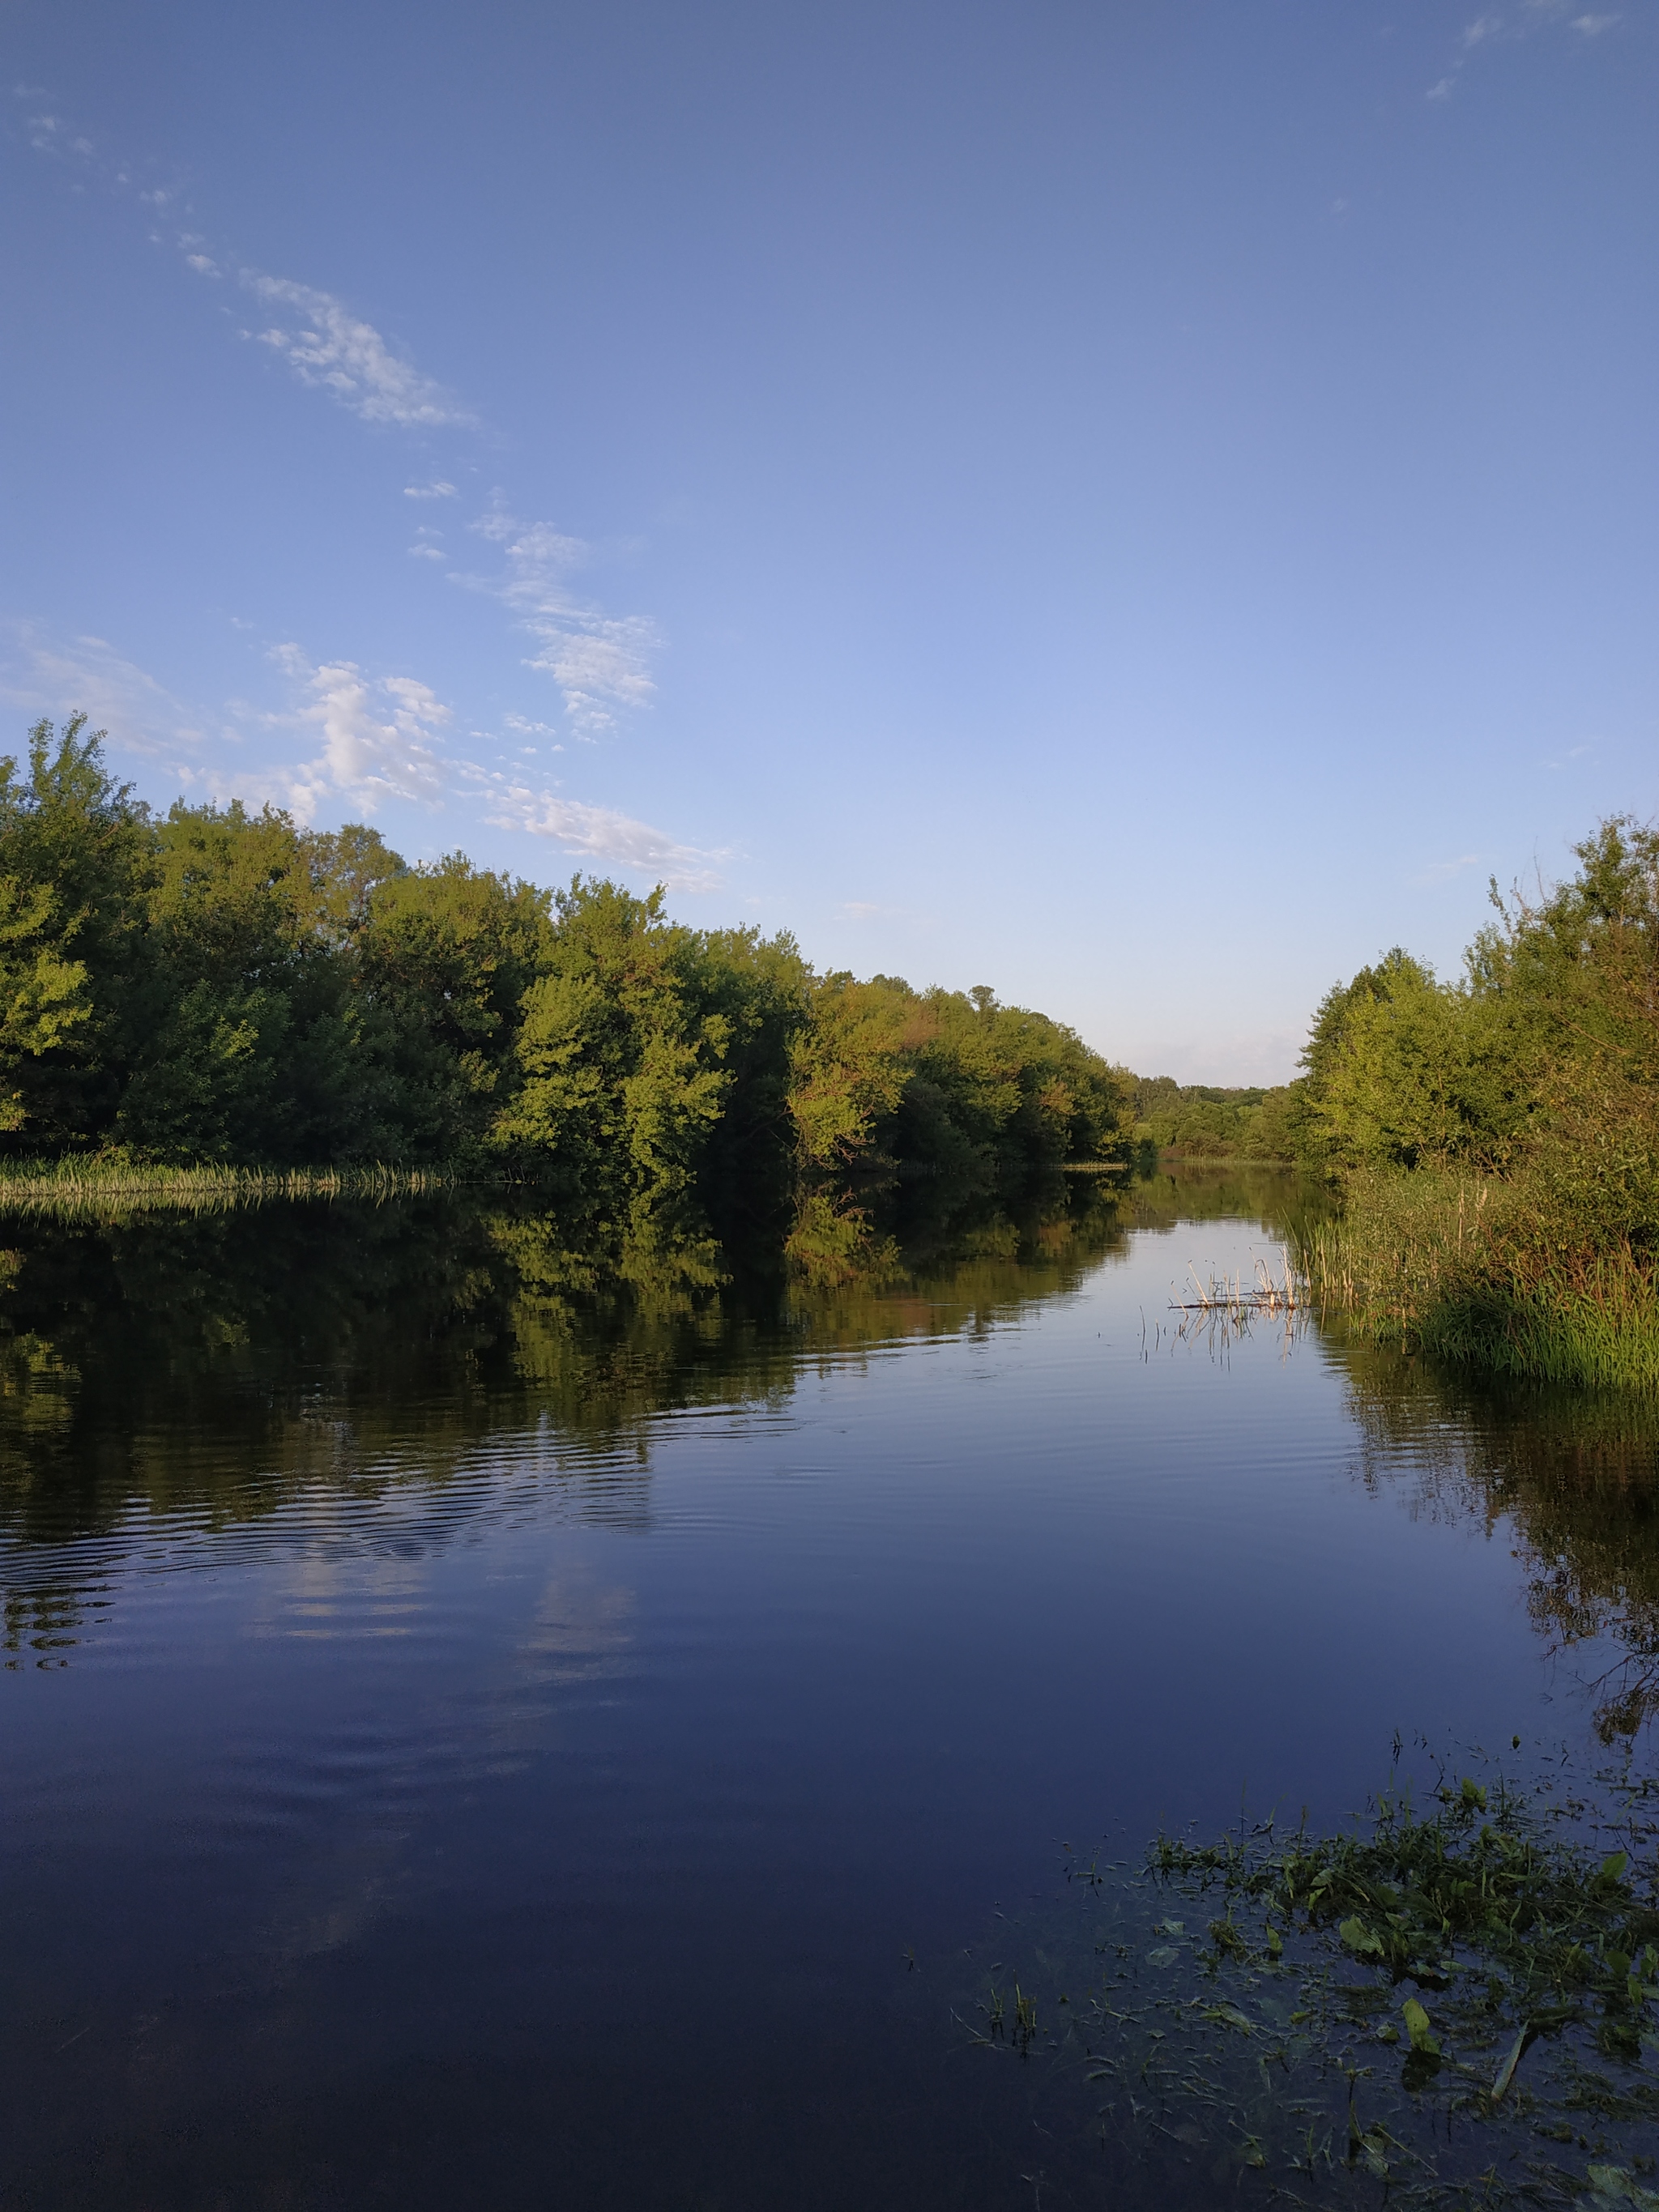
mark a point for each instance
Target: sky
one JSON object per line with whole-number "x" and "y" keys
{"x": 1142, "y": 506}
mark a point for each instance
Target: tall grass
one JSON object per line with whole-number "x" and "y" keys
{"x": 1485, "y": 1274}
{"x": 102, "y": 1183}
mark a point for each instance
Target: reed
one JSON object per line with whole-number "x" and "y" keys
{"x": 1237, "y": 1295}
{"x": 1485, "y": 1274}
{"x": 100, "y": 1184}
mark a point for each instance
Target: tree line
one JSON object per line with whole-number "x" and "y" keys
{"x": 216, "y": 984}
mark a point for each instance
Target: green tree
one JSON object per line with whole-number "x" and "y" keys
{"x": 76, "y": 851}
{"x": 443, "y": 958}
{"x": 621, "y": 1059}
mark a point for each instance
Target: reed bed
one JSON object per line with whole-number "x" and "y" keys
{"x": 89, "y": 1186}
{"x": 1478, "y": 1275}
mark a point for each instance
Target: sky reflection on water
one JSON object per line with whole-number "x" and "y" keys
{"x": 474, "y": 1739}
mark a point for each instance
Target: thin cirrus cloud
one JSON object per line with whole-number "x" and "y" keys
{"x": 322, "y": 341}
{"x": 381, "y": 739}
{"x": 601, "y": 662}
{"x": 379, "y": 735}
{"x": 1442, "y": 871}
{"x": 1522, "y": 22}
{"x": 366, "y": 740}
{"x": 44, "y": 674}
{"x": 598, "y": 833}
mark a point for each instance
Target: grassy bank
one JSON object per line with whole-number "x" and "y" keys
{"x": 1483, "y": 1275}
{"x": 100, "y": 1182}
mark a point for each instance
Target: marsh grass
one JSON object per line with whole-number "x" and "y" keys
{"x": 98, "y": 1186}
{"x": 1483, "y": 1275}
{"x": 1445, "y": 2006}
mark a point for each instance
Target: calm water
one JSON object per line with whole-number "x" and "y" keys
{"x": 473, "y": 1736}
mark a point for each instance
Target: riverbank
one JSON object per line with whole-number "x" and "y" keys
{"x": 1474, "y": 1272}
{"x": 76, "y": 1182}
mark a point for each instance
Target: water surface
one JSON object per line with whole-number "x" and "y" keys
{"x": 476, "y": 1732}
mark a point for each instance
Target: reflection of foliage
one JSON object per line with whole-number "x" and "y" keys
{"x": 1577, "y": 1480}
{"x": 1199, "y": 1192}
{"x": 224, "y": 1362}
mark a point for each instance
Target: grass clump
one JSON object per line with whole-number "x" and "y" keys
{"x": 99, "y": 1184}
{"x": 1485, "y": 1273}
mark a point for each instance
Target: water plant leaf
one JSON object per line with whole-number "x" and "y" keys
{"x": 1506, "y": 2071}
{"x": 1418, "y": 2027}
{"x": 1611, "y": 2184}
{"x": 1361, "y": 1939}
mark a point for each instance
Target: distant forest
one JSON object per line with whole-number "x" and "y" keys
{"x": 1203, "y": 1120}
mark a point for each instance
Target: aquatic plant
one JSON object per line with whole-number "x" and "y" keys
{"x": 1456, "y": 2001}
{"x": 1470, "y": 1271}
{"x": 116, "y": 1185}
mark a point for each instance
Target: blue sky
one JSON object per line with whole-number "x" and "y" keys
{"x": 1143, "y": 507}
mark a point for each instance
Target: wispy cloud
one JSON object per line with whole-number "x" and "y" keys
{"x": 1530, "y": 18}
{"x": 49, "y": 134}
{"x": 326, "y": 345}
{"x": 599, "y": 834}
{"x": 41, "y": 673}
{"x": 380, "y": 736}
{"x": 322, "y": 341}
{"x": 522, "y": 728}
{"x": 353, "y": 740}
{"x": 601, "y": 662}
{"x": 1442, "y": 871}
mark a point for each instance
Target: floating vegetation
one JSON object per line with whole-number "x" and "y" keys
{"x": 1448, "y": 2006}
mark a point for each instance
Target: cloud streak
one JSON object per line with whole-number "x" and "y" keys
{"x": 1442, "y": 871}
{"x": 41, "y": 674}
{"x": 322, "y": 341}
{"x": 364, "y": 741}
{"x": 598, "y": 833}
{"x": 1532, "y": 16}
{"x": 328, "y": 347}
{"x": 601, "y": 662}
{"x": 379, "y": 736}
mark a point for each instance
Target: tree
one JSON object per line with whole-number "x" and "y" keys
{"x": 76, "y": 854}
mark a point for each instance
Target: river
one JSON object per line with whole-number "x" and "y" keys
{"x": 479, "y": 1731}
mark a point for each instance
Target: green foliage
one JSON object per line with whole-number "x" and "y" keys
{"x": 225, "y": 988}
{"x": 76, "y": 857}
{"x": 1201, "y": 1120}
{"x": 1498, "y": 1137}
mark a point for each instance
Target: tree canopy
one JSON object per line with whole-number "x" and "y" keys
{"x": 215, "y": 984}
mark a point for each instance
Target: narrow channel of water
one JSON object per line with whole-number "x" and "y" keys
{"x": 475, "y": 1736}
